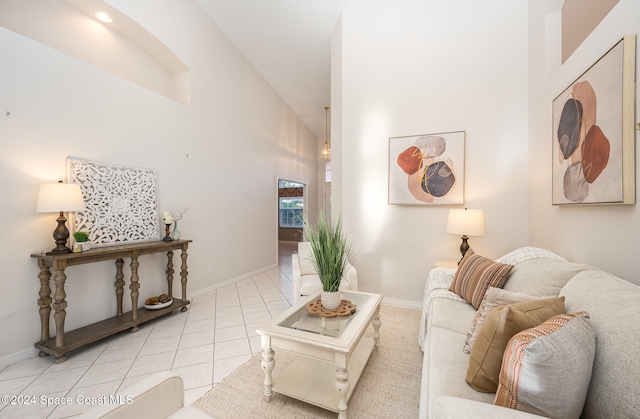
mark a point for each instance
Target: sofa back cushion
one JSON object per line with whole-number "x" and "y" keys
{"x": 614, "y": 307}
{"x": 542, "y": 276}
{"x": 501, "y": 324}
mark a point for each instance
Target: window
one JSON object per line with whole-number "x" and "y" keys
{"x": 291, "y": 209}
{"x": 290, "y": 204}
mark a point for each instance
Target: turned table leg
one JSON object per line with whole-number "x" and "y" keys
{"x": 45, "y": 304}
{"x": 119, "y": 285}
{"x": 169, "y": 272}
{"x": 342, "y": 386}
{"x": 376, "y": 327}
{"x": 134, "y": 286}
{"x": 59, "y": 306}
{"x": 268, "y": 363}
{"x": 183, "y": 276}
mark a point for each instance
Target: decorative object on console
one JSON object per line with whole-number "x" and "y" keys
{"x": 326, "y": 150}
{"x": 121, "y": 202}
{"x": 546, "y": 370}
{"x": 330, "y": 257}
{"x": 82, "y": 240}
{"x": 60, "y": 197}
{"x": 466, "y": 222}
{"x": 427, "y": 169}
{"x": 475, "y": 275}
{"x": 593, "y": 158}
{"x": 167, "y": 218}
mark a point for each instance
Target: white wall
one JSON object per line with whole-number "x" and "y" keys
{"x": 414, "y": 67}
{"x": 220, "y": 157}
{"x": 603, "y": 236}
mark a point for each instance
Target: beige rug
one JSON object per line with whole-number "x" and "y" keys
{"x": 388, "y": 388}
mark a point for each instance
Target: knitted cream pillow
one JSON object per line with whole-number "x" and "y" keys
{"x": 502, "y": 323}
{"x": 546, "y": 370}
{"x": 493, "y": 297}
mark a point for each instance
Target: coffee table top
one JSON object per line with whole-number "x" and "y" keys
{"x": 339, "y": 332}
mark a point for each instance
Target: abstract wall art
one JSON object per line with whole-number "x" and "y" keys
{"x": 427, "y": 169}
{"x": 121, "y": 202}
{"x": 593, "y": 132}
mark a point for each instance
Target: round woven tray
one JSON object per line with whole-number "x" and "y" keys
{"x": 345, "y": 309}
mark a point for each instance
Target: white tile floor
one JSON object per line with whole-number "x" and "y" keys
{"x": 203, "y": 345}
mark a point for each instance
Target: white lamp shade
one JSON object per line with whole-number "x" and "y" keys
{"x": 57, "y": 197}
{"x": 468, "y": 222}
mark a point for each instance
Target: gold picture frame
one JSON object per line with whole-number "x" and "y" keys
{"x": 593, "y": 132}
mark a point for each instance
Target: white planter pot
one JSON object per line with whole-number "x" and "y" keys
{"x": 330, "y": 300}
{"x": 85, "y": 245}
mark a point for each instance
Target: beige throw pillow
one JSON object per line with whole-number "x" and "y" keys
{"x": 475, "y": 274}
{"x": 494, "y": 297}
{"x": 546, "y": 370}
{"x": 501, "y": 324}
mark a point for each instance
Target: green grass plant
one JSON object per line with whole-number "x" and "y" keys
{"x": 330, "y": 250}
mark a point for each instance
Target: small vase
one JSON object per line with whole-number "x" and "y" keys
{"x": 175, "y": 234}
{"x": 330, "y": 300}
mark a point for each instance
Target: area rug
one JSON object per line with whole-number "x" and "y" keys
{"x": 388, "y": 388}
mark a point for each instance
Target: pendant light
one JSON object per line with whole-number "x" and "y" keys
{"x": 326, "y": 150}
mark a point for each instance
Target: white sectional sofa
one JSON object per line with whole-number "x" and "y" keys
{"x": 614, "y": 310}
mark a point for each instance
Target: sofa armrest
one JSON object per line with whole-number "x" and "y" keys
{"x": 297, "y": 279}
{"x": 438, "y": 283}
{"x": 351, "y": 275}
{"x": 159, "y": 395}
{"x": 448, "y": 407}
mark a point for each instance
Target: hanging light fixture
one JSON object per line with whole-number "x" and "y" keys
{"x": 326, "y": 150}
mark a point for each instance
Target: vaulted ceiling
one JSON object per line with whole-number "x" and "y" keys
{"x": 289, "y": 43}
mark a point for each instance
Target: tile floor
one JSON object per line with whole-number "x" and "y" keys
{"x": 203, "y": 345}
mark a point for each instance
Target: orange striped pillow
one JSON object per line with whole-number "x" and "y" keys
{"x": 475, "y": 275}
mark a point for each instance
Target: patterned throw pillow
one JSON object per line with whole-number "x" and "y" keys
{"x": 475, "y": 275}
{"x": 494, "y": 297}
{"x": 501, "y": 324}
{"x": 546, "y": 370}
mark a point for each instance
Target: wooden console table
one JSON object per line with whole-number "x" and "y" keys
{"x": 63, "y": 342}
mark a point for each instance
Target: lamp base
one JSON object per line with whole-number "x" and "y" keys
{"x": 60, "y": 235}
{"x": 464, "y": 247}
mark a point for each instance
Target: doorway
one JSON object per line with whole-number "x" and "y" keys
{"x": 290, "y": 210}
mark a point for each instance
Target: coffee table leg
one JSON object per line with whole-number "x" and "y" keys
{"x": 376, "y": 327}
{"x": 342, "y": 385}
{"x": 267, "y": 365}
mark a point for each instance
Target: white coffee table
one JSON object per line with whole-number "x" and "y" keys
{"x": 331, "y": 353}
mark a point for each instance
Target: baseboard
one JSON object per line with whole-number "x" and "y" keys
{"x": 230, "y": 281}
{"x": 402, "y": 303}
{"x": 15, "y": 357}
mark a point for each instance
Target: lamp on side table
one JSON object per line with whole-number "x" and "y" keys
{"x": 468, "y": 222}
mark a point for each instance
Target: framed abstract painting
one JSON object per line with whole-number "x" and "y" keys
{"x": 593, "y": 132}
{"x": 427, "y": 169}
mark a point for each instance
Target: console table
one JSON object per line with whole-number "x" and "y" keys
{"x": 63, "y": 342}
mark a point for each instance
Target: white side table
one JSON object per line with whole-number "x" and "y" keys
{"x": 448, "y": 264}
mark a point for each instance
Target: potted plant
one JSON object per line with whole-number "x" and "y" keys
{"x": 330, "y": 257}
{"x": 82, "y": 238}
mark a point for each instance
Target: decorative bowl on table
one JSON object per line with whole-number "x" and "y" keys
{"x": 158, "y": 302}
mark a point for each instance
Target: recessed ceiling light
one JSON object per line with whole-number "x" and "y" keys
{"x": 104, "y": 17}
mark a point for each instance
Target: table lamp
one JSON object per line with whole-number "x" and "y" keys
{"x": 468, "y": 222}
{"x": 60, "y": 197}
